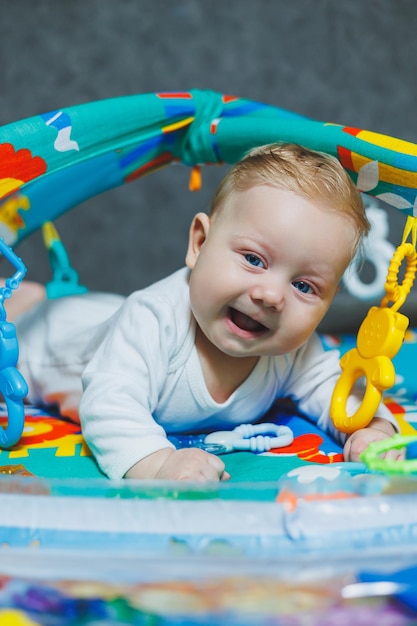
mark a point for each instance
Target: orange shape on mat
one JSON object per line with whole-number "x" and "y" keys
{"x": 307, "y": 448}
{"x": 48, "y": 432}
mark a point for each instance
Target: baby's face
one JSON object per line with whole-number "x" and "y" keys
{"x": 267, "y": 271}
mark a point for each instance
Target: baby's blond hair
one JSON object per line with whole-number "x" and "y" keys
{"x": 291, "y": 167}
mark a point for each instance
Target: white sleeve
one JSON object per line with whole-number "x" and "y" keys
{"x": 122, "y": 384}
{"x": 313, "y": 377}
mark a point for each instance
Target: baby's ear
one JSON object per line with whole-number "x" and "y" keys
{"x": 198, "y": 233}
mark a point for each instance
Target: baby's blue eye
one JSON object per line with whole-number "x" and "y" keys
{"x": 303, "y": 286}
{"x": 254, "y": 260}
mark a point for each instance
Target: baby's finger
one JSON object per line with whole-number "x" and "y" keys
{"x": 214, "y": 469}
{"x": 396, "y": 454}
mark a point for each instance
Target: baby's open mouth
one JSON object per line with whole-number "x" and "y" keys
{"x": 244, "y": 322}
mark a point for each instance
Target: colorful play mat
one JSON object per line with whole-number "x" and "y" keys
{"x": 53, "y": 447}
{"x": 296, "y": 536}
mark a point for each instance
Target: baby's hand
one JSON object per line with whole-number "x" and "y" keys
{"x": 377, "y": 430}
{"x": 190, "y": 464}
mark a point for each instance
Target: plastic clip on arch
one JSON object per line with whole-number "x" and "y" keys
{"x": 64, "y": 277}
{"x": 13, "y": 386}
{"x": 379, "y": 338}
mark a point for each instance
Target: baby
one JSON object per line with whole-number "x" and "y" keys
{"x": 217, "y": 342}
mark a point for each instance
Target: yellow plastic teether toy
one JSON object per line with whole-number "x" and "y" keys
{"x": 379, "y": 338}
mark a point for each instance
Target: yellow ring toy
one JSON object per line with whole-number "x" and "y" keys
{"x": 380, "y": 337}
{"x": 396, "y": 293}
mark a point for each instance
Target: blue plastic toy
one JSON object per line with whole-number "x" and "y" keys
{"x": 13, "y": 386}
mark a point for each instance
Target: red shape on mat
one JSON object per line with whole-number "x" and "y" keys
{"x": 307, "y": 448}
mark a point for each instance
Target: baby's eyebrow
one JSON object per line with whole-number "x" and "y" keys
{"x": 325, "y": 278}
{"x": 250, "y": 239}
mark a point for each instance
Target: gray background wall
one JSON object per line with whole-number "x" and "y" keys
{"x": 352, "y": 62}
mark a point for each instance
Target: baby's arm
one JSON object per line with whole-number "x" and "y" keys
{"x": 190, "y": 464}
{"x": 122, "y": 384}
{"x": 377, "y": 430}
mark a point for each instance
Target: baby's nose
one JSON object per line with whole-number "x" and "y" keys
{"x": 270, "y": 295}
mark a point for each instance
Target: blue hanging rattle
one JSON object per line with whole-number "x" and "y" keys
{"x": 13, "y": 386}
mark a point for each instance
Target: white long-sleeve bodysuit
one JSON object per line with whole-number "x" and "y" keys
{"x": 142, "y": 377}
